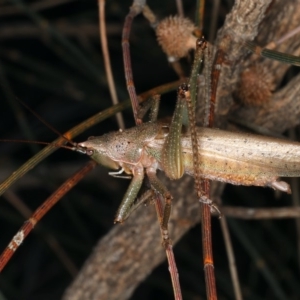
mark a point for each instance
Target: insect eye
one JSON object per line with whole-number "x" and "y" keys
{"x": 89, "y": 152}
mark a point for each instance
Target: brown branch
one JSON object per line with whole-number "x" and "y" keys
{"x": 107, "y": 64}
{"x": 40, "y": 213}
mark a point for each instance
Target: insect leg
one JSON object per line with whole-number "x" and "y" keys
{"x": 158, "y": 186}
{"x": 151, "y": 103}
{"x": 154, "y": 108}
{"x": 145, "y": 198}
{"x": 172, "y": 159}
{"x": 130, "y": 195}
{"x": 273, "y": 54}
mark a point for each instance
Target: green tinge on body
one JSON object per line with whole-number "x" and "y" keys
{"x": 128, "y": 199}
{"x": 172, "y": 153}
{"x": 276, "y": 55}
{"x": 282, "y": 57}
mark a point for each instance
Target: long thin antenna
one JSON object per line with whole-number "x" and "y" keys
{"x": 45, "y": 122}
{"x": 74, "y": 148}
{"x": 24, "y": 141}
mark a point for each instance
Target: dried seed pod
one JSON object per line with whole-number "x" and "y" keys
{"x": 175, "y": 35}
{"x": 255, "y": 86}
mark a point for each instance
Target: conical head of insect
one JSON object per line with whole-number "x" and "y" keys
{"x": 96, "y": 148}
{"x": 121, "y": 147}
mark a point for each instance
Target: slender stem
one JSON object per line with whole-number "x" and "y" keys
{"x": 150, "y": 16}
{"x": 254, "y": 253}
{"x": 210, "y": 280}
{"x": 199, "y": 20}
{"x": 287, "y": 36}
{"x": 40, "y": 212}
{"x": 107, "y": 64}
{"x": 214, "y": 20}
{"x": 50, "y": 239}
{"x": 169, "y": 252}
{"x": 231, "y": 259}
{"x": 179, "y": 8}
{"x": 135, "y": 9}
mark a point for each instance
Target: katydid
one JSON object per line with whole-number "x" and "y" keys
{"x": 236, "y": 158}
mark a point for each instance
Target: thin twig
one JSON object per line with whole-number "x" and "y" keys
{"x": 169, "y": 253}
{"x": 51, "y": 240}
{"x": 214, "y": 21}
{"x": 231, "y": 259}
{"x": 256, "y": 257}
{"x": 179, "y": 6}
{"x": 199, "y": 19}
{"x": 107, "y": 64}
{"x": 207, "y": 249}
{"x": 41, "y": 211}
{"x": 135, "y": 9}
{"x": 288, "y": 35}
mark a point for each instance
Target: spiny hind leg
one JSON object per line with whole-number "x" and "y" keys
{"x": 128, "y": 200}
{"x": 158, "y": 187}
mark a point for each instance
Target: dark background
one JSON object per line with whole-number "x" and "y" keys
{"x": 40, "y": 71}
